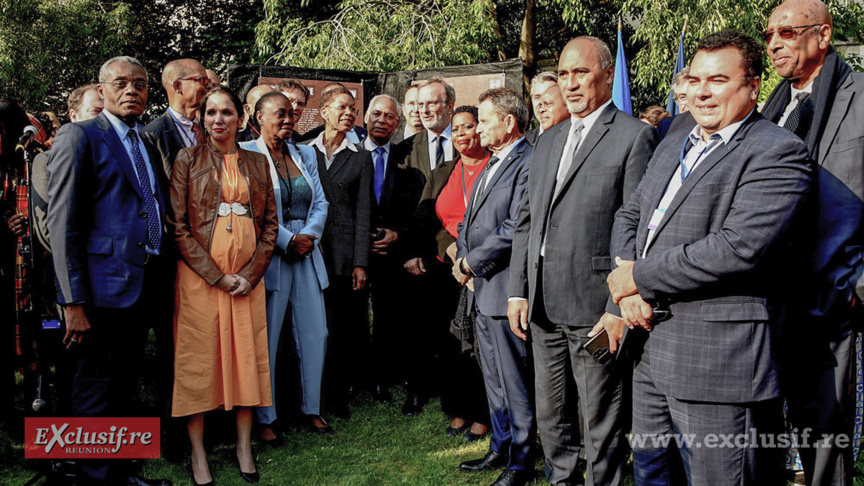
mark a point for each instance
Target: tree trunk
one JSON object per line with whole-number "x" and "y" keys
{"x": 527, "y": 45}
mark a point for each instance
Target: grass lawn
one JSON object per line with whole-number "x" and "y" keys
{"x": 376, "y": 446}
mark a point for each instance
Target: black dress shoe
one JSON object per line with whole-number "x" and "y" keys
{"x": 513, "y": 477}
{"x": 196, "y": 483}
{"x": 491, "y": 461}
{"x": 470, "y": 437}
{"x": 250, "y": 478}
{"x": 381, "y": 394}
{"x": 453, "y": 432}
{"x": 311, "y": 427}
{"x": 139, "y": 481}
{"x": 413, "y": 405}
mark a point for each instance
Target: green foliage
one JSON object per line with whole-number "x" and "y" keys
{"x": 379, "y": 35}
{"x": 49, "y": 47}
{"x": 663, "y": 21}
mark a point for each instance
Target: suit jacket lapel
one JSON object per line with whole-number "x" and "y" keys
{"x": 693, "y": 179}
{"x": 109, "y": 135}
{"x": 339, "y": 161}
{"x": 590, "y": 140}
{"x": 389, "y": 176}
{"x": 490, "y": 183}
{"x": 172, "y": 131}
{"x": 838, "y": 112}
{"x": 550, "y": 172}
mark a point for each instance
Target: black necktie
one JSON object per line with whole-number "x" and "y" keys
{"x": 801, "y": 117}
{"x": 439, "y": 154}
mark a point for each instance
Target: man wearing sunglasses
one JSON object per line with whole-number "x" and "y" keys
{"x": 822, "y": 102}
{"x": 185, "y": 82}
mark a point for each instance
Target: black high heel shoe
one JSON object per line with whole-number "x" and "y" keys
{"x": 250, "y": 478}
{"x": 196, "y": 483}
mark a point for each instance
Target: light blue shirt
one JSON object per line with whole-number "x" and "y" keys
{"x": 122, "y": 130}
{"x": 184, "y": 124}
{"x": 371, "y": 146}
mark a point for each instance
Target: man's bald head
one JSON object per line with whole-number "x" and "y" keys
{"x": 798, "y": 38}
{"x": 185, "y": 82}
{"x": 254, "y": 95}
{"x": 180, "y": 68}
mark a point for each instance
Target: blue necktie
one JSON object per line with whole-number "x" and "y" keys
{"x": 379, "y": 173}
{"x": 153, "y": 225}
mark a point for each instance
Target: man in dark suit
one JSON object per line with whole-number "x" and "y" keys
{"x": 413, "y": 123}
{"x": 703, "y": 241}
{"x": 106, "y": 218}
{"x": 821, "y": 352}
{"x": 396, "y": 193}
{"x": 185, "y": 82}
{"x": 679, "y": 90}
{"x": 435, "y": 101}
{"x": 346, "y": 176}
{"x": 483, "y": 257}
{"x": 558, "y": 275}
{"x": 539, "y": 84}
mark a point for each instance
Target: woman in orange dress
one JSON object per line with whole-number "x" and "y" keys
{"x": 224, "y": 218}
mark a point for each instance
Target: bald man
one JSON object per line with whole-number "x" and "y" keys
{"x": 251, "y": 132}
{"x": 592, "y": 163}
{"x": 185, "y": 82}
{"x": 822, "y": 101}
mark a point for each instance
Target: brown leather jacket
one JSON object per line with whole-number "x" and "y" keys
{"x": 196, "y": 185}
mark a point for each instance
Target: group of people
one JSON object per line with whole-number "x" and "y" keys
{"x": 716, "y": 258}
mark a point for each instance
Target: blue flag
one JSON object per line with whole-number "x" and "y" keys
{"x": 671, "y": 106}
{"x": 621, "y": 84}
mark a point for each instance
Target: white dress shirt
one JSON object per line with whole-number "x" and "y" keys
{"x": 433, "y": 145}
{"x": 792, "y": 104}
{"x": 318, "y": 143}
{"x": 698, "y": 152}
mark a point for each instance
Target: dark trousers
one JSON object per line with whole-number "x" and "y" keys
{"x": 669, "y": 433}
{"x": 563, "y": 369}
{"x": 509, "y": 389}
{"x": 348, "y": 346}
{"x": 821, "y": 395}
{"x": 107, "y": 366}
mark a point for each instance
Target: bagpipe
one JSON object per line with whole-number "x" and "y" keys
{"x": 38, "y": 321}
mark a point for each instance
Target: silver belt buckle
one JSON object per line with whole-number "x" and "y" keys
{"x": 224, "y": 209}
{"x": 239, "y": 209}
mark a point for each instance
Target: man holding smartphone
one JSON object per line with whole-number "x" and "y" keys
{"x": 560, "y": 262}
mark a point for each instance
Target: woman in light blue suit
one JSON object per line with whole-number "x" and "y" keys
{"x": 296, "y": 273}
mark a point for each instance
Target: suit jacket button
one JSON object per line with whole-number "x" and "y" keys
{"x": 142, "y": 214}
{"x": 141, "y": 244}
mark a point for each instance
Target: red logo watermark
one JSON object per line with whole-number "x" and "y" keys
{"x": 91, "y": 438}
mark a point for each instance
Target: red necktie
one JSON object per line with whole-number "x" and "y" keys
{"x": 200, "y": 138}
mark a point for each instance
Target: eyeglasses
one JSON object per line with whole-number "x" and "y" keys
{"x": 198, "y": 78}
{"x": 343, "y": 108}
{"x": 431, "y": 104}
{"x": 786, "y": 33}
{"x": 122, "y": 84}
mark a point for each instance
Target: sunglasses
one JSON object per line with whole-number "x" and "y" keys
{"x": 785, "y": 33}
